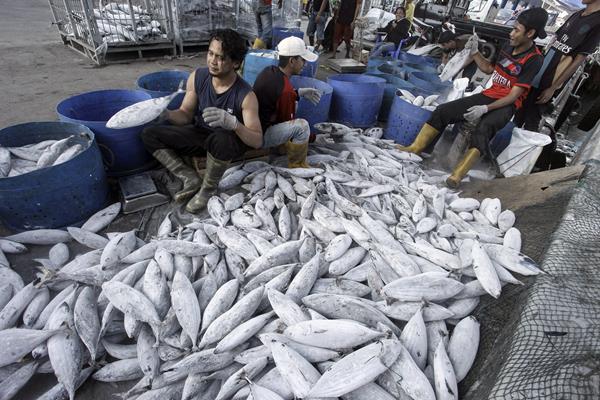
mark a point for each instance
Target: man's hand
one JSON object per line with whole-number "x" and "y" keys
{"x": 473, "y": 45}
{"x": 219, "y": 118}
{"x": 545, "y": 96}
{"x": 310, "y": 94}
{"x": 475, "y": 112}
{"x": 440, "y": 68}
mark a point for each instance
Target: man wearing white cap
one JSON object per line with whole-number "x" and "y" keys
{"x": 277, "y": 101}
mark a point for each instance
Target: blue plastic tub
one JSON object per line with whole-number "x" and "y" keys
{"x": 280, "y": 33}
{"x": 375, "y": 62}
{"x": 163, "y": 83}
{"x": 395, "y": 69}
{"x": 313, "y": 114}
{"x": 405, "y": 121}
{"x": 356, "y": 99}
{"x": 389, "y": 94}
{"x": 122, "y": 149}
{"x": 256, "y": 61}
{"x": 53, "y": 197}
{"x": 422, "y": 67}
{"x": 430, "y": 81}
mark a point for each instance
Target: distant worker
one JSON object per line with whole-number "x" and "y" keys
{"x": 396, "y": 30}
{"x": 346, "y": 14}
{"x": 574, "y": 41}
{"x": 513, "y": 72}
{"x": 409, "y": 7}
{"x": 218, "y": 118}
{"x": 317, "y": 18}
{"x": 264, "y": 24}
{"x": 452, "y": 44}
{"x": 277, "y": 101}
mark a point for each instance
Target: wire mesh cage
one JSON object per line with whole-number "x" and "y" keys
{"x": 97, "y": 27}
{"x": 195, "y": 19}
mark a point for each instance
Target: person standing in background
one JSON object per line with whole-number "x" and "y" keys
{"x": 317, "y": 18}
{"x": 347, "y": 12}
{"x": 264, "y": 23}
{"x": 409, "y": 6}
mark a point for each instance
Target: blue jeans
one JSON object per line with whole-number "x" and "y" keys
{"x": 381, "y": 48}
{"x": 264, "y": 23}
{"x": 297, "y": 130}
{"x": 318, "y": 27}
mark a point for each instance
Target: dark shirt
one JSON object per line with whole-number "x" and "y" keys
{"x": 231, "y": 100}
{"x": 276, "y": 97}
{"x": 514, "y": 70}
{"x": 316, "y": 5}
{"x": 578, "y": 35}
{"x": 397, "y": 30}
{"x": 346, "y": 12}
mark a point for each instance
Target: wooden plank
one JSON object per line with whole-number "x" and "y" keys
{"x": 524, "y": 191}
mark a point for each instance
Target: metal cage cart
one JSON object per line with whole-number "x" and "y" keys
{"x": 109, "y": 31}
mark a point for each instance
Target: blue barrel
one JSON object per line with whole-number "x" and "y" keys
{"x": 54, "y": 197}
{"x": 422, "y": 67}
{"x": 393, "y": 69}
{"x": 410, "y": 58}
{"x": 389, "y": 94}
{"x": 163, "y": 83}
{"x": 375, "y": 62}
{"x": 431, "y": 82}
{"x": 256, "y": 61}
{"x": 405, "y": 121}
{"x": 356, "y": 99}
{"x": 307, "y": 110}
{"x": 280, "y": 33}
{"x": 501, "y": 139}
{"x": 122, "y": 149}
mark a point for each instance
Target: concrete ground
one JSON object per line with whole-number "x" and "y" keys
{"x": 37, "y": 71}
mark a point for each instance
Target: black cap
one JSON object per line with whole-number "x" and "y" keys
{"x": 446, "y": 36}
{"x": 534, "y": 18}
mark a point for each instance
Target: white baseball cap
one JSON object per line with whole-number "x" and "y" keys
{"x": 294, "y": 46}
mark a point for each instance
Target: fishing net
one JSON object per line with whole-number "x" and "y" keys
{"x": 541, "y": 340}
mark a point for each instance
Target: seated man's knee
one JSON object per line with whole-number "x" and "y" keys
{"x": 150, "y": 137}
{"x": 224, "y": 145}
{"x": 303, "y": 130}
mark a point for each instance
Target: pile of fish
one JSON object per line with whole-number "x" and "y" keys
{"x": 15, "y": 161}
{"x": 118, "y": 22}
{"x": 354, "y": 281}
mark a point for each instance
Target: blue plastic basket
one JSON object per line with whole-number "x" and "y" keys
{"x": 405, "y": 121}
{"x": 58, "y": 196}
{"x": 356, "y": 99}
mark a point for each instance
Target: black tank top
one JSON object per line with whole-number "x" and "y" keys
{"x": 231, "y": 100}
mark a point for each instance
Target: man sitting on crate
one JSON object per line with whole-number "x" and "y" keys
{"x": 217, "y": 118}
{"x": 396, "y": 31}
{"x": 513, "y": 72}
{"x": 277, "y": 101}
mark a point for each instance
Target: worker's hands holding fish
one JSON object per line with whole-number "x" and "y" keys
{"x": 473, "y": 44}
{"x": 219, "y": 118}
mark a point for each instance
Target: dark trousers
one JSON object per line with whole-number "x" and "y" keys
{"x": 529, "y": 116}
{"x": 190, "y": 140}
{"x": 342, "y": 32}
{"x": 490, "y": 123}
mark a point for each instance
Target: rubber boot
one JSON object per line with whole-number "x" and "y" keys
{"x": 214, "y": 171}
{"x": 348, "y": 47}
{"x": 259, "y": 44}
{"x": 191, "y": 181}
{"x": 425, "y": 136}
{"x": 464, "y": 165}
{"x": 296, "y": 153}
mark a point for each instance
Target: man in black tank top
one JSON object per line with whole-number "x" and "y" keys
{"x": 217, "y": 118}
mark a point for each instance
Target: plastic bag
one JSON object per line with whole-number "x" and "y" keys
{"x": 458, "y": 89}
{"x": 520, "y": 155}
